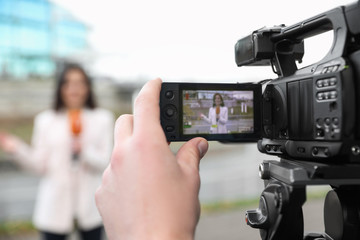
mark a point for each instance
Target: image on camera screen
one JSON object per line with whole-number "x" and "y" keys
{"x": 217, "y": 112}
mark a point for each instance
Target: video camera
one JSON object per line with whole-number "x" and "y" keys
{"x": 310, "y": 113}
{"x": 308, "y": 117}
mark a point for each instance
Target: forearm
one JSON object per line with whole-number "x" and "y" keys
{"x": 30, "y": 159}
{"x": 206, "y": 119}
{"x": 223, "y": 120}
{"x": 96, "y": 159}
{"x": 224, "y": 117}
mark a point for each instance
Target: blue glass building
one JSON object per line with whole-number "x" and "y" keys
{"x": 35, "y": 35}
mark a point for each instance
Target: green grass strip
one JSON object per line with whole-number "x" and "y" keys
{"x": 12, "y": 228}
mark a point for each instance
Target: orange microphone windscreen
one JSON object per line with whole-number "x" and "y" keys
{"x": 217, "y": 110}
{"x": 75, "y": 122}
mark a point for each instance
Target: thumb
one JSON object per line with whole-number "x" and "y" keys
{"x": 192, "y": 151}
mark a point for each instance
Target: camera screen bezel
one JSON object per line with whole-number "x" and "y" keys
{"x": 230, "y": 137}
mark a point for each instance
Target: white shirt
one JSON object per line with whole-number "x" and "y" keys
{"x": 67, "y": 188}
{"x": 217, "y": 125}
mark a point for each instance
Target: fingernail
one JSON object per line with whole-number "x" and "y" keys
{"x": 203, "y": 147}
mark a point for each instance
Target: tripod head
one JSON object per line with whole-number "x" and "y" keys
{"x": 280, "y": 216}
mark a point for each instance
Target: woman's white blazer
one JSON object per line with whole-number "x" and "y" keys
{"x": 220, "y": 125}
{"x": 67, "y": 188}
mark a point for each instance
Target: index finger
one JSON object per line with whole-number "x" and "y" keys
{"x": 147, "y": 109}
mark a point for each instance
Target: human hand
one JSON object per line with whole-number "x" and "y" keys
{"x": 147, "y": 192}
{"x": 9, "y": 143}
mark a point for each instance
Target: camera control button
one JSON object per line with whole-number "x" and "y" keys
{"x": 320, "y": 96}
{"x": 268, "y": 148}
{"x": 169, "y": 94}
{"x": 320, "y": 133}
{"x": 315, "y": 151}
{"x": 326, "y": 95}
{"x": 327, "y": 121}
{"x": 326, "y": 152}
{"x": 319, "y": 83}
{"x": 326, "y": 83}
{"x": 333, "y": 81}
{"x": 169, "y": 128}
{"x": 301, "y": 150}
{"x": 333, "y": 94}
{"x": 319, "y": 122}
{"x": 169, "y": 112}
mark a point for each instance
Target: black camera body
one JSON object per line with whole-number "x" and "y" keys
{"x": 310, "y": 113}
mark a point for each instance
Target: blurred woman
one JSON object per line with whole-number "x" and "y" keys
{"x": 71, "y": 146}
{"x": 218, "y": 115}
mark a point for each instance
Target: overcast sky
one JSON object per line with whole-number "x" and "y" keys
{"x": 187, "y": 39}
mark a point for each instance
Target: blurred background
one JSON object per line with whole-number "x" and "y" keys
{"x": 123, "y": 44}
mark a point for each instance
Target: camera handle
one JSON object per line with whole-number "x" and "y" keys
{"x": 280, "y": 216}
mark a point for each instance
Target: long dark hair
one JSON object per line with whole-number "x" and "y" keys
{"x": 59, "y": 102}
{"x": 222, "y": 101}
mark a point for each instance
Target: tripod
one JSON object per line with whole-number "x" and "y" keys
{"x": 280, "y": 216}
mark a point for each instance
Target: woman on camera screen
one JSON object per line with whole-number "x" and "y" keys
{"x": 218, "y": 115}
